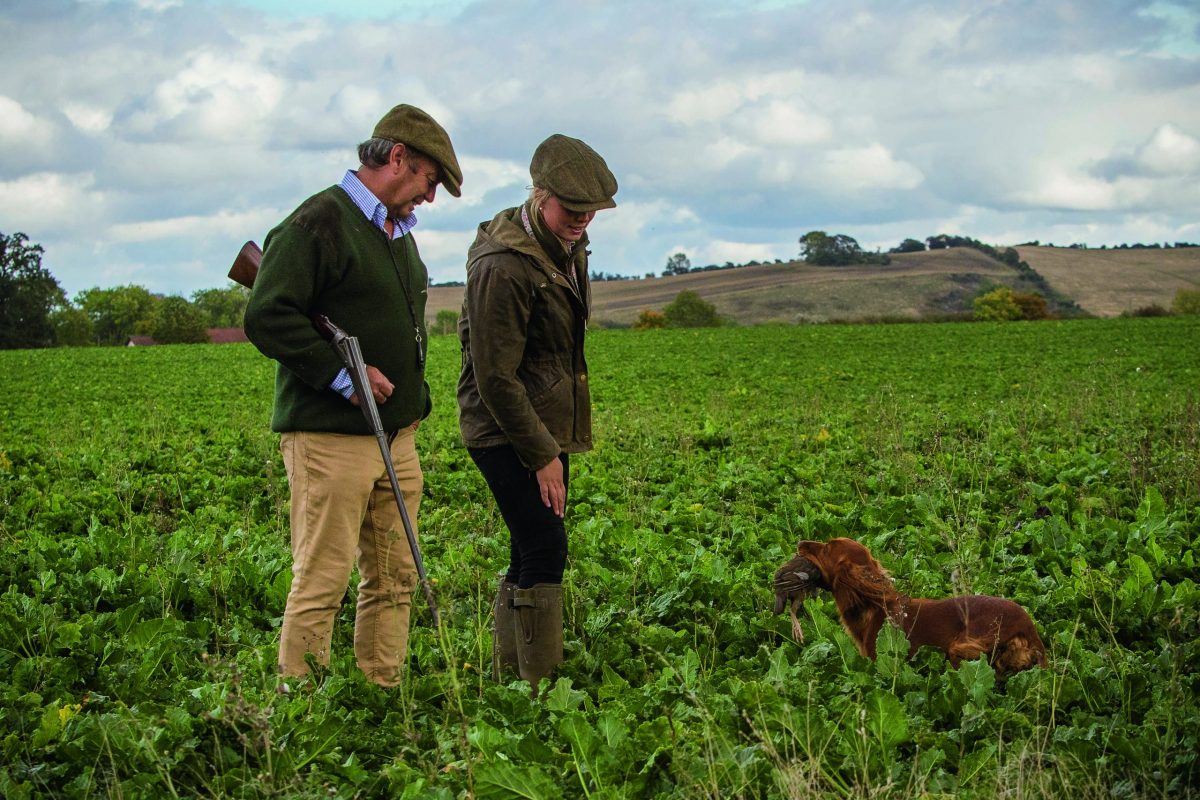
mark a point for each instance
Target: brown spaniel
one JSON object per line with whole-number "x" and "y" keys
{"x": 961, "y": 627}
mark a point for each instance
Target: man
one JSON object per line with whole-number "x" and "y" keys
{"x": 348, "y": 253}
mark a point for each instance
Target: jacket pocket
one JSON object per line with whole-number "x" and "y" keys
{"x": 553, "y": 403}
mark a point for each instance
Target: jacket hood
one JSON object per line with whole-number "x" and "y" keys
{"x": 504, "y": 233}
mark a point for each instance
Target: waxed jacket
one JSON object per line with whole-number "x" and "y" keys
{"x": 524, "y": 378}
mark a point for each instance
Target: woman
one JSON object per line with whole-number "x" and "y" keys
{"x": 523, "y": 394}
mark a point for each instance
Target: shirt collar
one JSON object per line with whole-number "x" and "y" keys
{"x": 372, "y": 208}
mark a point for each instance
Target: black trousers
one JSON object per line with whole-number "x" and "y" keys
{"x": 537, "y": 536}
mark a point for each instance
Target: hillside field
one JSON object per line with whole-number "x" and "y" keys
{"x": 144, "y": 559}
{"x": 1104, "y": 283}
{"x": 1108, "y": 283}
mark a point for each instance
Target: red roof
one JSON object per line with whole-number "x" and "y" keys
{"x": 226, "y": 335}
{"x": 215, "y": 335}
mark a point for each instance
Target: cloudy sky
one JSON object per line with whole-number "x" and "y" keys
{"x": 142, "y": 141}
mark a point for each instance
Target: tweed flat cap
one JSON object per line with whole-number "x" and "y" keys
{"x": 411, "y": 126}
{"x": 574, "y": 172}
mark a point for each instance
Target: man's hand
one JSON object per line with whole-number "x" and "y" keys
{"x": 550, "y": 481}
{"x": 381, "y": 387}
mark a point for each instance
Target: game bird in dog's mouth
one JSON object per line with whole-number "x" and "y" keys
{"x": 961, "y": 627}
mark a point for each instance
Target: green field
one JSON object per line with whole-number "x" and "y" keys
{"x": 143, "y": 547}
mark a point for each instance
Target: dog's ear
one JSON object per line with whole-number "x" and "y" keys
{"x": 817, "y": 553}
{"x": 856, "y": 570}
{"x": 866, "y": 580}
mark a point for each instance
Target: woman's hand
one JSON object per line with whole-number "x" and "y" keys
{"x": 550, "y": 481}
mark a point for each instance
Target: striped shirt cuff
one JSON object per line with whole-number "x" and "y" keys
{"x": 342, "y": 384}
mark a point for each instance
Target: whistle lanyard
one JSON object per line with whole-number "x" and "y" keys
{"x": 412, "y": 311}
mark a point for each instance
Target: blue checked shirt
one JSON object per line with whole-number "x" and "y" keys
{"x": 375, "y": 211}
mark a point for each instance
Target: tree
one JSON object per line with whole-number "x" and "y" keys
{"x": 689, "y": 310}
{"x": 1032, "y": 305}
{"x": 176, "y": 321}
{"x": 909, "y": 246}
{"x": 72, "y": 327}
{"x": 28, "y": 294}
{"x": 222, "y": 308}
{"x": 118, "y": 313}
{"x": 649, "y": 318}
{"x": 678, "y": 264}
{"x": 821, "y": 249}
{"x": 997, "y": 305}
{"x": 1187, "y": 301}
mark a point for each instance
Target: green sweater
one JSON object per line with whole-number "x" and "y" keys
{"x": 327, "y": 258}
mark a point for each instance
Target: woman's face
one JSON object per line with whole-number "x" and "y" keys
{"x": 562, "y": 222}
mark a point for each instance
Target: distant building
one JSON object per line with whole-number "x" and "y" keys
{"x": 215, "y": 336}
{"x": 226, "y": 335}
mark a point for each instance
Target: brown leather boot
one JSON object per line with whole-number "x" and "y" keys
{"x": 539, "y": 631}
{"x": 504, "y": 630}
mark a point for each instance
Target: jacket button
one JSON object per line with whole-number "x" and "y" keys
{"x": 583, "y": 377}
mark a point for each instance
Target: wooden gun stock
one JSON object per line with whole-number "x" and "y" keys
{"x": 245, "y": 266}
{"x": 245, "y": 270}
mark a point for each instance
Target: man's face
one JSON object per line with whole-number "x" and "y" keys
{"x": 416, "y": 183}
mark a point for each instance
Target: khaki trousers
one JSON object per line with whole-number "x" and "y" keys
{"x": 343, "y": 510}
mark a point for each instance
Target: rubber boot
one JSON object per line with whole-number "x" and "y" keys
{"x": 539, "y": 631}
{"x": 504, "y": 630}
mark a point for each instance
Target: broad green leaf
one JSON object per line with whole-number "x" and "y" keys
{"x": 978, "y": 679}
{"x": 499, "y": 780}
{"x": 485, "y": 738}
{"x": 886, "y": 719}
{"x": 562, "y": 697}
{"x": 891, "y": 651}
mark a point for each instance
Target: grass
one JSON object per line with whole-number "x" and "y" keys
{"x": 143, "y": 544}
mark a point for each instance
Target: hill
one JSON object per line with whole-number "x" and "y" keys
{"x": 1103, "y": 282}
{"x": 1108, "y": 283}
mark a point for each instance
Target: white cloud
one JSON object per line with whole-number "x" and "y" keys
{"x": 1063, "y": 189}
{"x": 728, "y": 126}
{"x": 17, "y": 124}
{"x": 484, "y": 175}
{"x": 444, "y": 252}
{"x": 53, "y": 201}
{"x": 780, "y": 123}
{"x": 719, "y": 251}
{"x": 87, "y": 118}
{"x": 870, "y": 167}
{"x": 632, "y": 218}
{"x": 1170, "y": 151}
{"x": 215, "y": 97}
{"x": 227, "y": 223}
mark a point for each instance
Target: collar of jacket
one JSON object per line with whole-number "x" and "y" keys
{"x": 506, "y": 232}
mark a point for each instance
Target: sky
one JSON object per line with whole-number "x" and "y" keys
{"x": 142, "y": 141}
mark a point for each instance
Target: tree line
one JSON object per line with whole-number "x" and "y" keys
{"x": 36, "y": 312}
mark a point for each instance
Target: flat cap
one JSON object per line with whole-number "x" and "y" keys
{"x": 574, "y": 172}
{"x": 411, "y": 126}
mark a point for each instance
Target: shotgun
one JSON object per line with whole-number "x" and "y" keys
{"x": 244, "y": 271}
